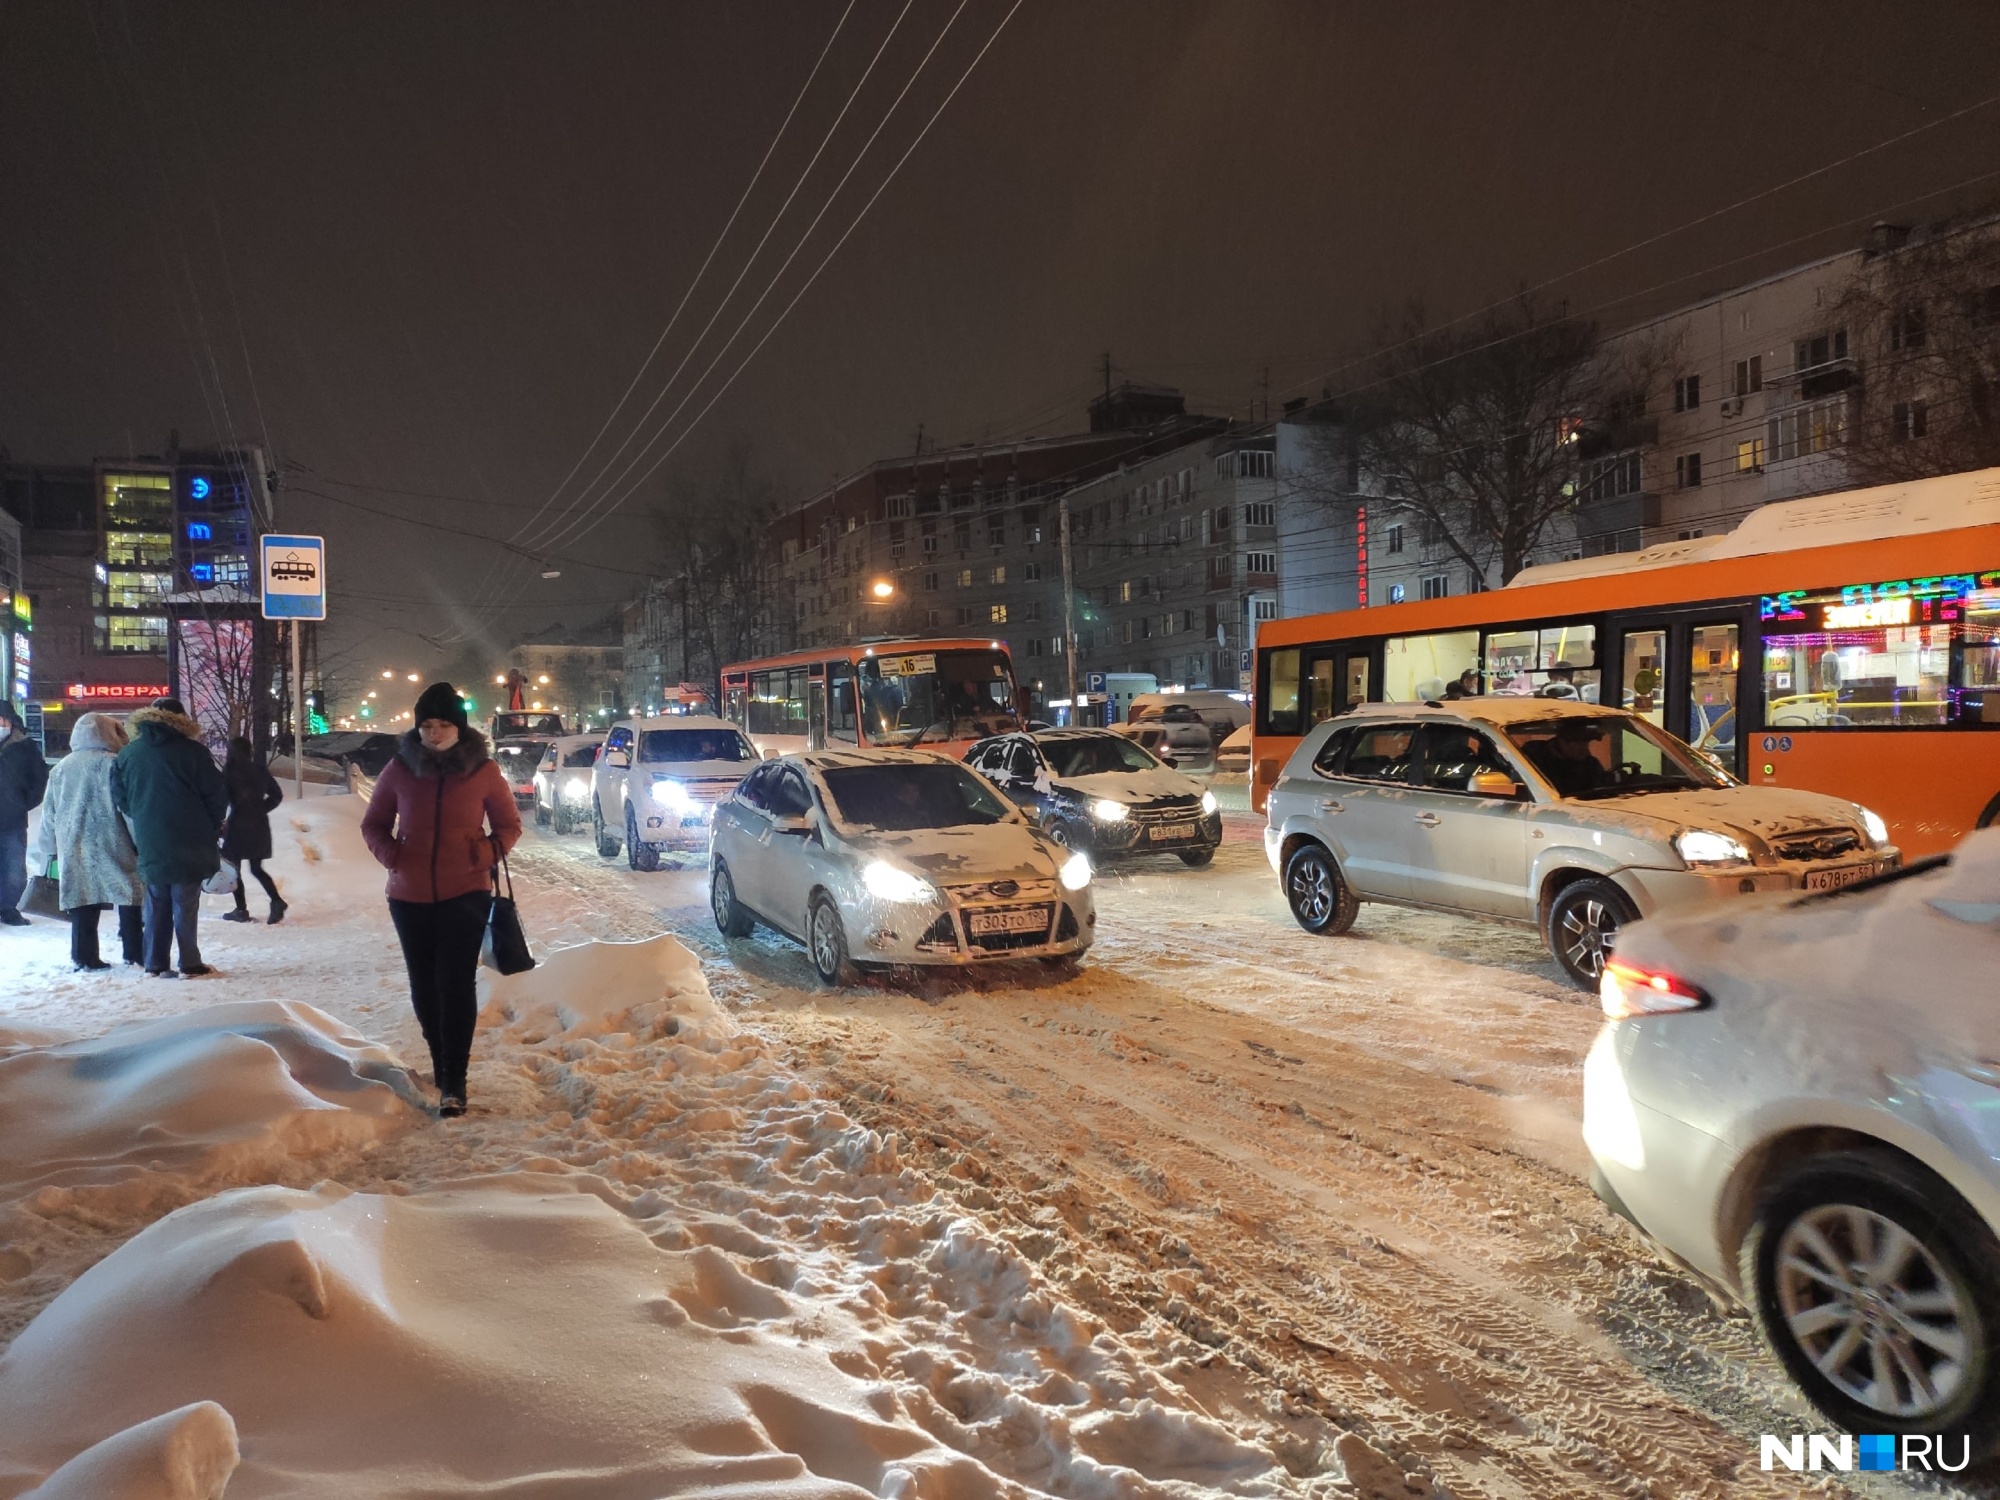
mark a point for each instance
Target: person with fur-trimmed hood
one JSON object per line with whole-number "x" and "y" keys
{"x": 171, "y": 791}
{"x": 23, "y": 777}
{"x": 97, "y": 864}
{"x": 440, "y": 820}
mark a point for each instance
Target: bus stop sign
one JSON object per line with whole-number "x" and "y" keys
{"x": 294, "y": 578}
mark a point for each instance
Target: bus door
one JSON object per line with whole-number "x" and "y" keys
{"x": 1688, "y": 671}
{"x": 816, "y": 708}
{"x": 1335, "y": 679}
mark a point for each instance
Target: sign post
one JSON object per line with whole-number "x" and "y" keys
{"x": 295, "y": 590}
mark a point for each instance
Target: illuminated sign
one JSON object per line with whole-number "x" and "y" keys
{"x": 198, "y": 487}
{"x": 21, "y": 610}
{"x": 202, "y": 572}
{"x": 1933, "y": 600}
{"x": 115, "y": 692}
{"x": 200, "y": 531}
{"x": 1864, "y": 616}
{"x": 908, "y": 666}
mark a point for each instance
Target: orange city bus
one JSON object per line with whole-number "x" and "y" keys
{"x": 1846, "y": 643}
{"x": 940, "y": 694}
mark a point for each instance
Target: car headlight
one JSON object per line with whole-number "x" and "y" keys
{"x": 1208, "y": 804}
{"x": 1878, "y": 831}
{"x": 1698, "y": 846}
{"x": 1107, "y": 811}
{"x": 887, "y": 883}
{"x": 1075, "y": 872}
{"x": 671, "y": 793}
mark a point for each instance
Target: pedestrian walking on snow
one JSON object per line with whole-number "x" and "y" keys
{"x": 166, "y": 784}
{"x": 254, "y": 795}
{"x": 23, "y": 777}
{"x": 440, "y": 820}
{"x": 97, "y": 864}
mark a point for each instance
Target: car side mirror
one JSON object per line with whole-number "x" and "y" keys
{"x": 617, "y": 760}
{"x": 1493, "y": 784}
{"x": 797, "y": 823}
{"x": 1171, "y": 762}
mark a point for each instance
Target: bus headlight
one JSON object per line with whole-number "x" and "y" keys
{"x": 1878, "y": 831}
{"x": 1698, "y": 846}
{"x": 1107, "y": 811}
{"x": 1075, "y": 872}
{"x": 887, "y": 883}
{"x": 1209, "y": 804}
{"x": 672, "y": 795}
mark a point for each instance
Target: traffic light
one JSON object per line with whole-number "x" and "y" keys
{"x": 316, "y": 712}
{"x": 470, "y": 706}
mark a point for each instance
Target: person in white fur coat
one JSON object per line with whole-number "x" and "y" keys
{"x": 97, "y": 864}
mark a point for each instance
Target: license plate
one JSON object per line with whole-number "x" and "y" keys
{"x": 1165, "y": 831}
{"x": 982, "y": 922}
{"x": 1834, "y": 879}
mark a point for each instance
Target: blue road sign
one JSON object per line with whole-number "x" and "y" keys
{"x": 294, "y": 578}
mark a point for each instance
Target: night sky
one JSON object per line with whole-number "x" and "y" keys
{"x": 423, "y": 247}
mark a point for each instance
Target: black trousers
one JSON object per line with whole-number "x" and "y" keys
{"x": 83, "y": 933}
{"x": 441, "y": 950}
{"x": 257, "y": 869}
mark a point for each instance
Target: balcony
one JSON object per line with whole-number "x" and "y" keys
{"x": 1812, "y": 382}
{"x": 1597, "y": 438}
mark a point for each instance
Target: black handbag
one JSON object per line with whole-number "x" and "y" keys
{"x": 505, "y": 947}
{"x": 44, "y": 895}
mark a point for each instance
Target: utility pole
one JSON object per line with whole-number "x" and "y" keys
{"x": 1069, "y": 606}
{"x": 1107, "y": 374}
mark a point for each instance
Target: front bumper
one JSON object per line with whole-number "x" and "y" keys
{"x": 677, "y": 828}
{"x": 941, "y": 934}
{"x": 1136, "y": 835}
{"x": 1656, "y": 891}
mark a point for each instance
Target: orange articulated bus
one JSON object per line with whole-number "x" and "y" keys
{"x": 1847, "y": 644}
{"x": 937, "y": 694}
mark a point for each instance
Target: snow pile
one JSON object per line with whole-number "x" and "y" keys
{"x": 491, "y": 1337}
{"x": 595, "y": 988}
{"x": 152, "y": 1113}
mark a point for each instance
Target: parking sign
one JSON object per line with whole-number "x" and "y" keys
{"x": 294, "y": 578}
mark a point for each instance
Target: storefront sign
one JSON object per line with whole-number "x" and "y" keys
{"x": 1933, "y": 599}
{"x": 115, "y": 692}
{"x": 1864, "y": 616}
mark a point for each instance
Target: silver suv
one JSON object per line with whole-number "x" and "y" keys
{"x": 1558, "y": 814}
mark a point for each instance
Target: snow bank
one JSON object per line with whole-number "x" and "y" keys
{"x": 156, "y": 1111}
{"x": 515, "y": 1334}
{"x": 595, "y": 988}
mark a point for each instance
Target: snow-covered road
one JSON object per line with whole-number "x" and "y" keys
{"x": 1324, "y": 1197}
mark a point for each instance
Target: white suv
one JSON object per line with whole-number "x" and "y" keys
{"x": 1553, "y": 813}
{"x": 656, "y": 782}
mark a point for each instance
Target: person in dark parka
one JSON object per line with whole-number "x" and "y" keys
{"x": 246, "y": 839}
{"x": 24, "y": 776}
{"x": 170, "y": 791}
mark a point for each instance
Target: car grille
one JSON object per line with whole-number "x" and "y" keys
{"x": 711, "y": 789}
{"x": 985, "y": 893}
{"x": 1154, "y": 817}
{"x": 1823, "y": 843}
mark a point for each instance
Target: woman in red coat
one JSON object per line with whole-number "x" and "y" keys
{"x": 441, "y": 817}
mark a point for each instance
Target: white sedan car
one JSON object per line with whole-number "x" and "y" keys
{"x": 562, "y": 781}
{"x": 1799, "y": 1098}
{"x": 879, "y": 857}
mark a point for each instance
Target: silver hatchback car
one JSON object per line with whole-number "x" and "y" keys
{"x": 1562, "y": 815}
{"x": 881, "y": 857}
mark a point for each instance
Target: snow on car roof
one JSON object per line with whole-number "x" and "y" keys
{"x": 824, "y": 760}
{"x": 1499, "y": 709}
{"x": 677, "y": 721}
{"x": 571, "y": 741}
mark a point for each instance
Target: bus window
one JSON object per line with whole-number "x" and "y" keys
{"x": 840, "y": 718}
{"x": 1981, "y": 680}
{"x": 777, "y": 702}
{"x": 1645, "y": 654}
{"x": 1357, "y": 680}
{"x": 732, "y": 705}
{"x": 1322, "y": 691}
{"x": 1415, "y": 668}
{"x": 1877, "y": 677}
{"x": 1556, "y": 661}
{"x": 1281, "y": 697}
{"x": 1712, "y": 690}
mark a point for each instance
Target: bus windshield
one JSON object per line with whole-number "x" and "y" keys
{"x": 1612, "y": 755}
{"x": 936, "y": 695}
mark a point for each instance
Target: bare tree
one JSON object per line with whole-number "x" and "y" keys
{"x": 712, "y": 530}
{"x": 1926, "y": 318}
{"x": 1475, "y": 427}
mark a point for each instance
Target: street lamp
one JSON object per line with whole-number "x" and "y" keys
{"x": 387, "y": 673}
{"x": 543, "y": 679}
{"x": 499, "y": 679}
{"x": 413, "y": 677}
{"x": 883, "y": 590}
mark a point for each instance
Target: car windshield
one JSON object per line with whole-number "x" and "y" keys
{"x": 900, "y": 798}
{"x": 587, "y": 756}
{"x": 694, "y": 744}
{"x": 1611, "y": 755}
{"x": 1095, "y": 754}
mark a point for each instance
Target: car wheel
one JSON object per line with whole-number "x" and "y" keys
{"x": 639, "y": 854}
{"x": 1197, "y": 857}
{"x": 1321, "y": 901}
{"x": 730, "y": 917}
{"x": 541, "y": 816}
{"x": 565, "y": 822}
{"x": 607, "y": 844}
{"x": 1058, "y": 831}
{"x": 1064, "y": 964}
{"x": 826, "y": 944}
{"x": 1583, "y": 923}
{"x": 1870, "y": 1280}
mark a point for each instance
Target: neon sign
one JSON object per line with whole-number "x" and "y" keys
{"x": 198, "y": 487}
{"x": 1863, "y": 616}
{"x": 117, "y": 692}
{"x": 200, "y": 531}
{"x": 1932, "y": 600}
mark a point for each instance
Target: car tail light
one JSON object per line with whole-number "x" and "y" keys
{"x": 1627, "y": 990}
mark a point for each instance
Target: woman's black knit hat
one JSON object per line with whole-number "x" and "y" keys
{"x": 441, "y": 701}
